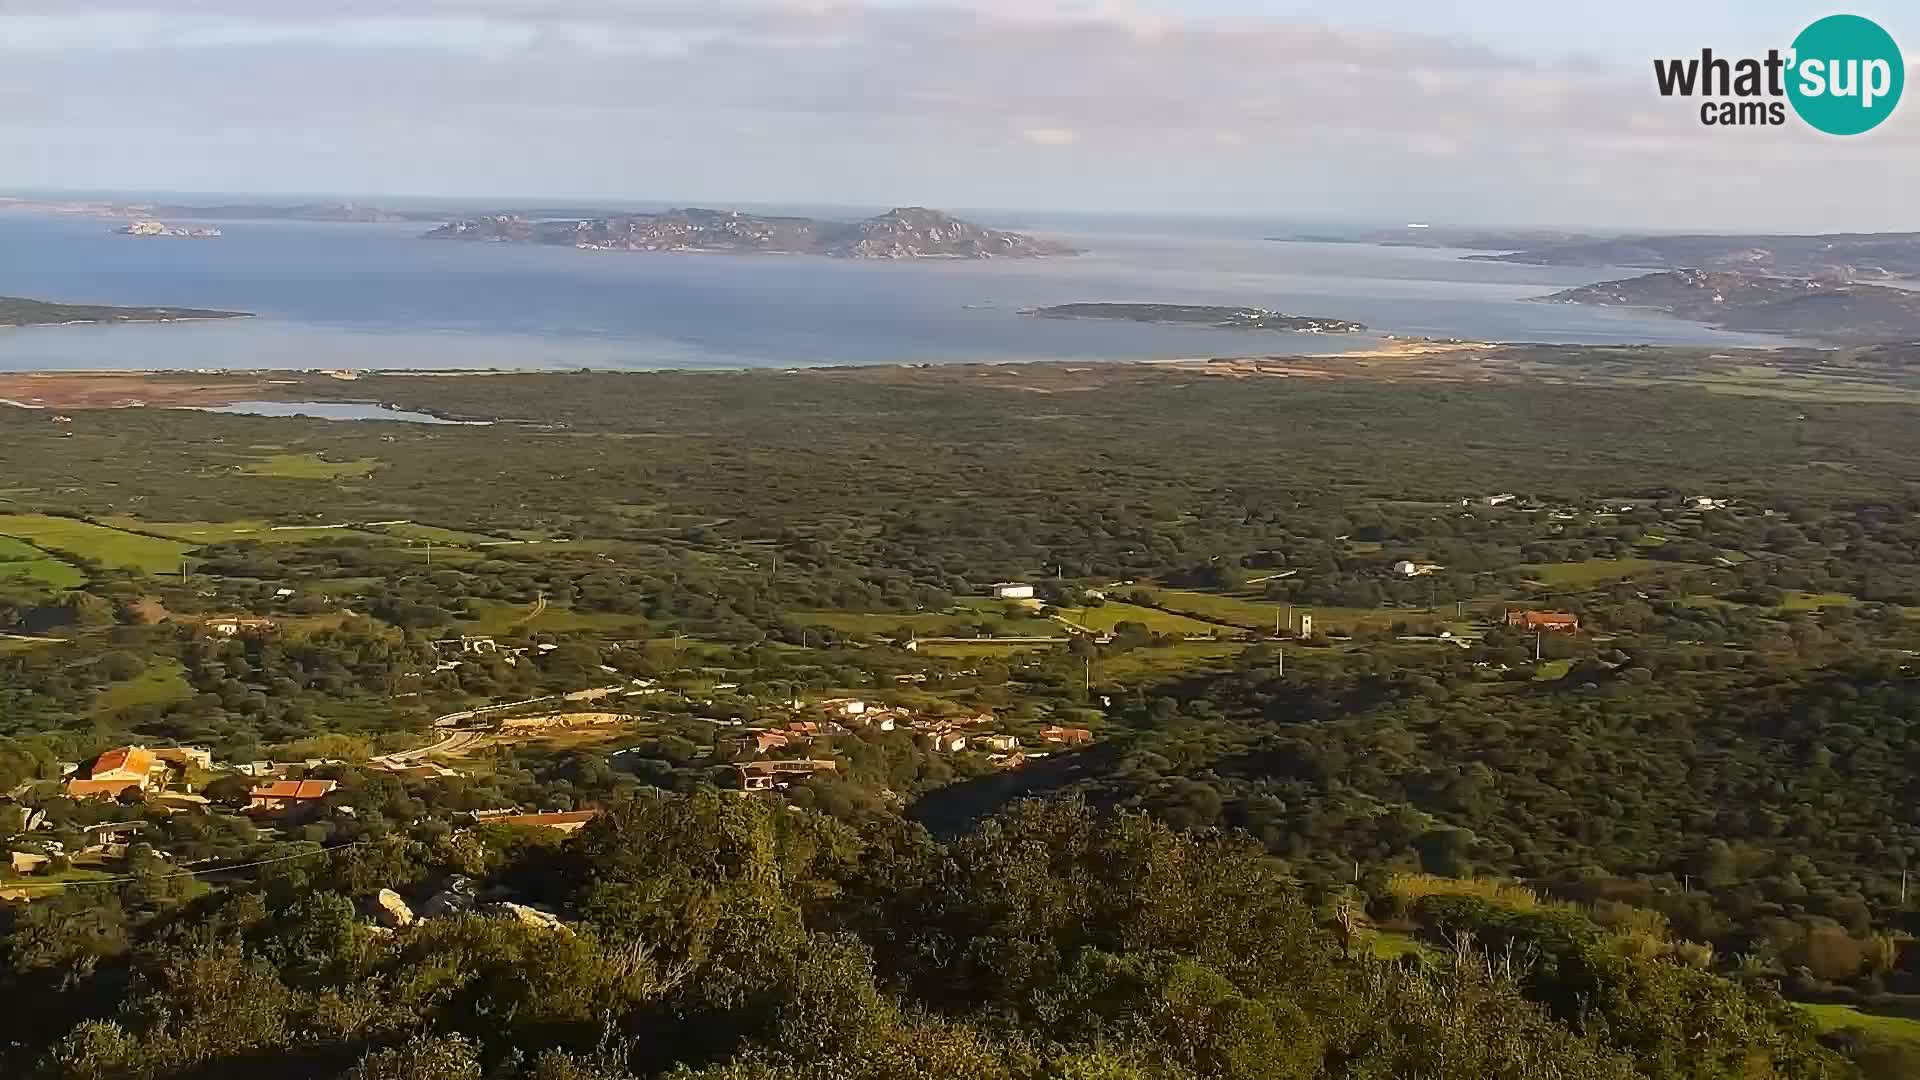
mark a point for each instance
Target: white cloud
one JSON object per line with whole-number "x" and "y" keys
{"x": 1014, "y": 104}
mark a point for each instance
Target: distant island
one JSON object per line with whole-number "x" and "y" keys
{"x": 1842, "y": 255}
{"x": 1851, "y": 255}
{"x": 19, "y": 311}
{"x": 1438, "y": 236}
{"x": 340, "y": 212}
{"x": 912, "y": 232}
{"x": 1207, "y": 315}
{"x": 1829, "y": 310}
{"x": 160, "y": 228}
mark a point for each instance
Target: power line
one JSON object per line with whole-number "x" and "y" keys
{"x": 127, "y": 878}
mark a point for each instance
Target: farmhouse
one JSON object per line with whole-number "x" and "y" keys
{"x": 1012, "y": 590}
{"x": 128, "y": 768}
{"x": 946, "y": 742}
{"x": 233, "y": 625}
{"x": 1068, "y": 736}
{"x": 290, "y": 795}
{"x": 1558, "y": 621}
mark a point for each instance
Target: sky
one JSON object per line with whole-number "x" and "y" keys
{"x": 1474, "y": 112}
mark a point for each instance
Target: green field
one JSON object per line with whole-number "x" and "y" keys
{"x": 1151, "y": 663}
{"x": 1392, "y": 945}
{"x": 1111, "y": 614}
{"x": 972, "y": 650}
{"x": 1548, "y": 671}
{"x": 220, "y": 532}
{"x": 23, "y": 563}
{"x": 958, "y": 621}
{"x": 310, "y": 467}
{"x": 1258, "y": 614}
{"x": 109, "y": 547}
{"x": 1840, "y": 1017}
{"x": 1594, "y": 571}
{"x": 1808, "y": 601}
{"x": 412, "y": 531}
{"x": 159, "y": 684}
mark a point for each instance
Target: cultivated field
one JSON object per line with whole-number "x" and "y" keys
{"x": 98, "y": 543}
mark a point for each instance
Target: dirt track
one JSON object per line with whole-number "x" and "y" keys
{"x": 101, "y": 390}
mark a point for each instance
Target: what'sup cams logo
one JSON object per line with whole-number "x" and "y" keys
{"x": 1842, "y": 76}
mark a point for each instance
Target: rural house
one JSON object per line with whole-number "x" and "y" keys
{"x": 1557, "y": 621}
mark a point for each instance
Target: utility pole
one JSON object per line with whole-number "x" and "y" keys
{"x": 1536, "y": 646}
{"x": 1281, "y": 656}
{"x": 1903, "y": 888}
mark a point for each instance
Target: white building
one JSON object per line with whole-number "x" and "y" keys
{"x": 1012, "y": 590}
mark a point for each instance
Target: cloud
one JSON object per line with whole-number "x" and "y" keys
{"x": 1017, "y": 104}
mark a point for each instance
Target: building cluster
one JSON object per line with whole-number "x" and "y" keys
{"x": 945, "y": 734}
{"x": 136, "y": 768}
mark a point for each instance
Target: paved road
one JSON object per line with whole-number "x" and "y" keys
{"x": 452, "y": 744}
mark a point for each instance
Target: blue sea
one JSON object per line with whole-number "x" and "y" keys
{"x": 377, "y": 296}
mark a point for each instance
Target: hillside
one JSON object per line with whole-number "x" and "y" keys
{"x": 901, "y": 233}
{"x": 1833, "y": 254}
{"x": 1838, "y": 312}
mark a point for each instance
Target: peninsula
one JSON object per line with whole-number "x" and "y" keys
{"x": 1829, "y": 310}
{"x": 901, "y": 233}
{"x": 19, "y": 311}
{"x": 1866, "y": 255}
{"x": 1208, "y": 315}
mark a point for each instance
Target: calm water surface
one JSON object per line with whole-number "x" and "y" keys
{"x": 335, "y": 295}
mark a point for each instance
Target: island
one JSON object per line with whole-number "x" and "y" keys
{"x": 161, "y": 228}
{"x": 19, "y": 311}
{"x": 1417, "y": 235}
{"x": 1206, "y": 315}
{"x": 902, "y": 233}
{"x": 1847, "y": 255}
{"x": 1831, "y": 310}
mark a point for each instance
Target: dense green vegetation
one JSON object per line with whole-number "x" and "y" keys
{"x": 724, "y": 937}
{"x": 1712, "y": 782}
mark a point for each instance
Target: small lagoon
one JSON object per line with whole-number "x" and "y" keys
{"x": 332, "y": 410}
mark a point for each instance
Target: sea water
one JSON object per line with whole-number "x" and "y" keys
{"x": 378, "y": 296}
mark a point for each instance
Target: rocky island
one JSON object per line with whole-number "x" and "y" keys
{"x": 18, "y": 311}
{"x": 1820, "y": 309}
{"x": 905, "y": 233}
{"x": 1207, "y": 315}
